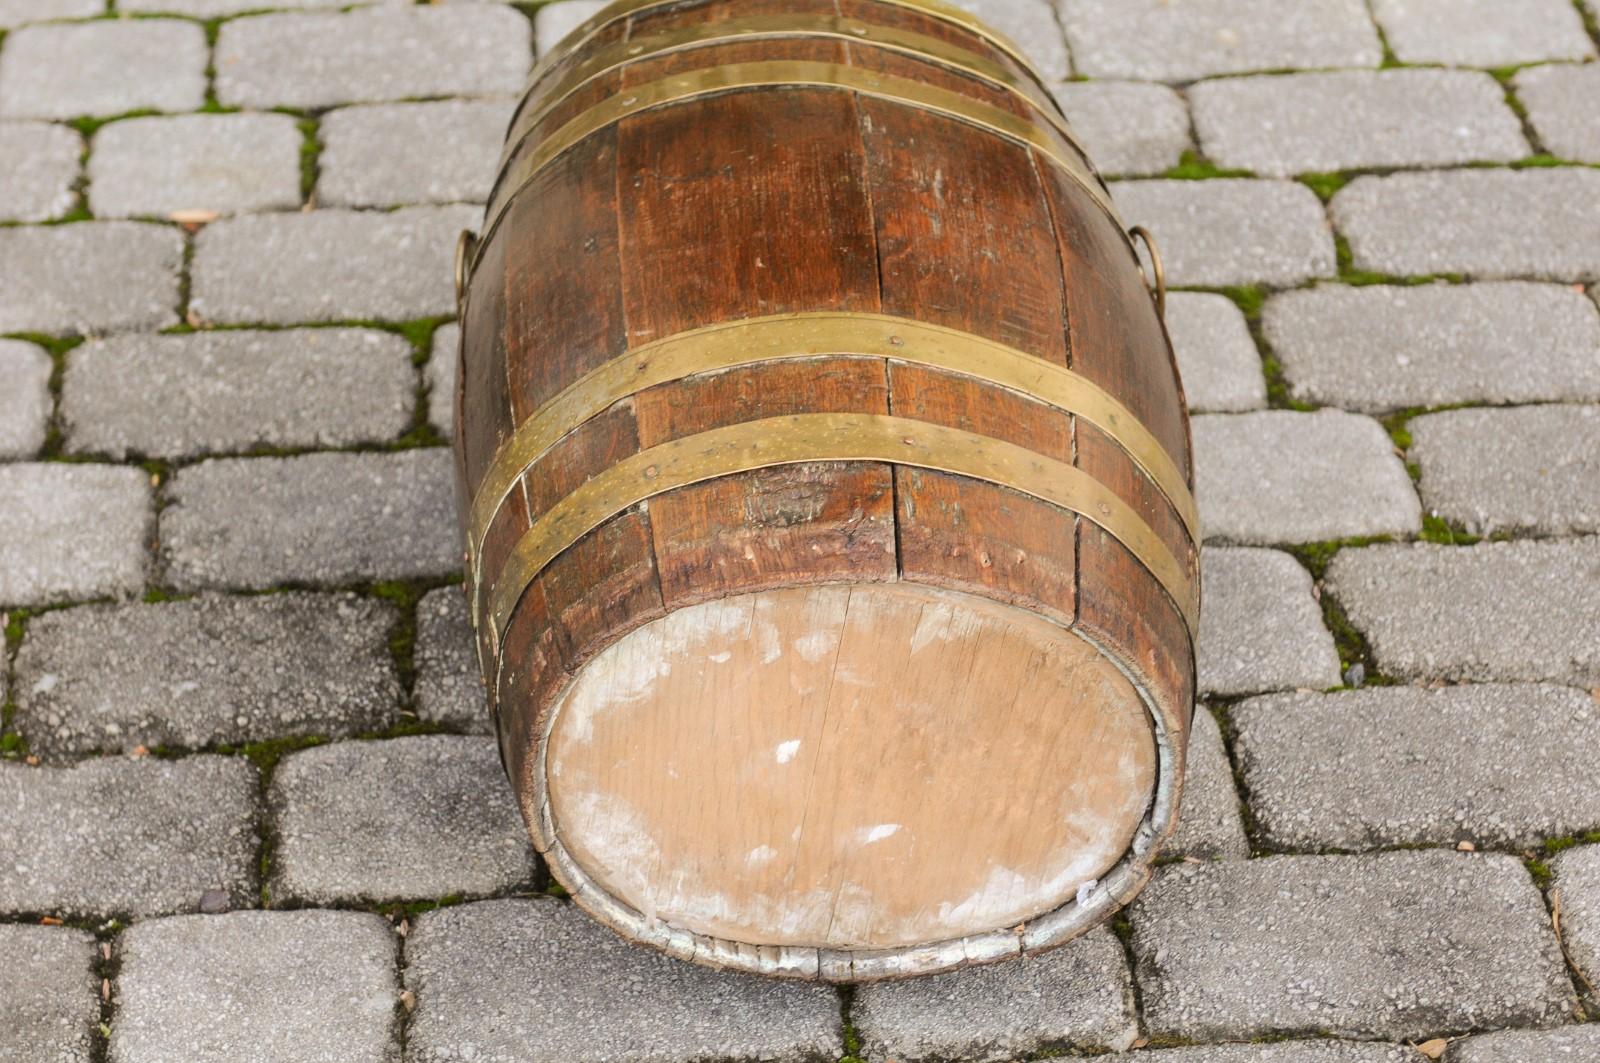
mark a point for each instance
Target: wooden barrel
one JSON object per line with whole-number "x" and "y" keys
{"x": 826, "y": 482}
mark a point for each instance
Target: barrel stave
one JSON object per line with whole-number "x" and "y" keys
{"x": 790, "y": 525}
{"x": 1113, "y": 318}
{"x": 564, "y": 269}
{"x": 963, "y": 534}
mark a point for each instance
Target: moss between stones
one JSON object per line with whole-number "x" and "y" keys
{"x": 56, "y": 347}
{"x": 852, "y": 1039}
{"x": 310, "y": 155}
{"x": 1591, "y": 24}
{"x": 1325, "y": 185}
{"x": 1191, "y": 167}
{"x": 1250, "y": 298}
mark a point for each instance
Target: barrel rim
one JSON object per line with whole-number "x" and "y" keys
{"x": 1046, "y": 930}
{"x": 620, "y": 9}
{"x": 623, "y": 53}
{"x": 789, "y": 74}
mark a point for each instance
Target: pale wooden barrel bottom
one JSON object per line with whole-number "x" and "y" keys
{"x": 844, "y": 767}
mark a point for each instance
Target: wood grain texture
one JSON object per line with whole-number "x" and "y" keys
{"x": 964, "y": 534}
{"x": 800, "y": 824}
{"x": 744, "y": 204}
{"x": 1117, "y": 338}
{"x": 564, "y": 310}
{"x": 784, "y": 526}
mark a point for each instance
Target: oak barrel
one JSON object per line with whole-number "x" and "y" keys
{"x": 827, "y": 491}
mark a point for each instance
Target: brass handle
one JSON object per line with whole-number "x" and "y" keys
{"x": 1155, "y": 264}
{"x": 466, "y": 244}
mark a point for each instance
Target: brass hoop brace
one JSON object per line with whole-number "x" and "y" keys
{"x": 787, "y": 336}
{"x": 791, "y": 74}
{"x": 617, "y": 55}
{"x": 1159, "y": 293}
{"x": 621, "y": 9}
{"x": 816, "y": 437}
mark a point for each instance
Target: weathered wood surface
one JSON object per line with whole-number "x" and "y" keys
{"x": 774, "y": 200}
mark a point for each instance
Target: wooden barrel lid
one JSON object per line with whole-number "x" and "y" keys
{"x": 865, "y": 766}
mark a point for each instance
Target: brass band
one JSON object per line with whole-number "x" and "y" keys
{"x": 756, "y": 340}
{"x": 613, "y": 56}
{"x": 621, "y": 9}
{"x": 815, "y": 437}
{"x": 789, "y": 73}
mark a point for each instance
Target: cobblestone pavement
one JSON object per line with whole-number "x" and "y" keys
{"x": 249, "y": 809}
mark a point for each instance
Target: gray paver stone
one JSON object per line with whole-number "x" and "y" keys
{"x": 1571, "y": 1044}
{"x": 72, "y": 532}
{"x": 1232, "y": 230}
{"x": 329, "y": 265}
{"x": 1560, "y": 102}
{"x": 1330, "y": 944}
{"x": 1346, "y": 120}
{"x": 1493, "y": 611}
{"x": 1281, "y": 476}
{"x": 1383, "y": 347}
{"x": 583, "y": 995}
{"x": 441, "y": 375}
{"x": 207, "y": 9}
{"x": 41, "y": 166}
{"x": 228, "y": 163}
{"x": 1260, "y": 625}
{"x": 554, "y": 21}
{"x": 209, "y": 392}
{"x": 50, "y": 994}
{"x": 1079, "y": 995}
{"x": 370, "y": 158}
{"x": 89, "y": 277}
{"x": 1161, "y": 41}
{"x": 1526, "y": 469}
{"x": 1577, "y": 878}
{"x": 1127, "y": 127}
{"x": 449, "y": 685}
{"x": 25, "y": 402}
{"x": 1217, "y": 359}
{"x": 404, "y": 819}
{"x": 1032, "y": 25}
{"x": 387, "y": 53}
{"x": 324, "y": 519}
{"x": 106, "y": 67}
{"x": 271, "y": 987}
{"x": 127, "y": 836}
{"x": 1482, "y": 32}
{"x": 1487, "y": 223}
{"x": 1208, "y": 820}
{"x": 15, "y": 13}
{"x": 1360, "y": 769}
{"x": 1320, "y": 1051}
{"x": 204, "y": 672}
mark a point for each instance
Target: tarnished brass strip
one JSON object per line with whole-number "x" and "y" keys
{"x": 790, "y": 74}
{"x": 612, "y": 57}
{"x": 755, "y": 340}
{"x": 810, "y": 437}
{"x": 622, "y": 9}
